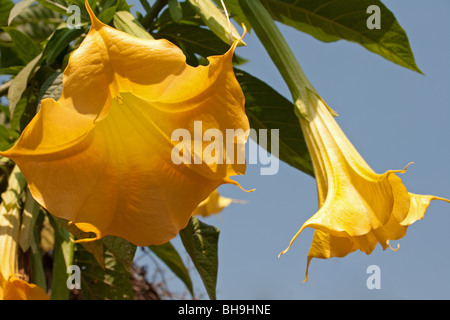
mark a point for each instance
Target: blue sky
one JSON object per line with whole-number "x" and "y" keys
{"x": 393, "y": 116}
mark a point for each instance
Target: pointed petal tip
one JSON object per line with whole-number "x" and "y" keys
{"x": 230, "y": 181}
{"x": 95, "y": 22}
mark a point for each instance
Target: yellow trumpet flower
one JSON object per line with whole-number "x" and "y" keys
{"x": 100, "y": 156}
{"x": 358, "y": 208}
{"x": 12, "y": 286}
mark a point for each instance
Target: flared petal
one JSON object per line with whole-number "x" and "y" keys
{"x": 101, "y": 156}
{"x": 17, "y": 289}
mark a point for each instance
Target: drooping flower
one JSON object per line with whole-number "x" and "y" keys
{"x": 12, "y": 286}
{"x": 100, "y": 156}
{"x": 358, "y": 208}
{"x": 214, "y": 204}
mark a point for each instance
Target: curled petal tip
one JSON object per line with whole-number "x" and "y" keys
{"x": 406, "y": 167}
{"x": 390, "y": 247}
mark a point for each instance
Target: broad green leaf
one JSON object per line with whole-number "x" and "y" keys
{"x": 267, "y": 109}
{"x": 5, "y": 8}
{"x": 197, "y": 40}
{"x": 125, "y": 21}
{"x": 111, "y": 282}
{"x": 59, "y": 41}
{"x": 176, "y": 12}
{"x": 332, "y": 20}
{"x": 190, "y": 16}
{"x": 216, "y": 21}
{"x": 18, "y": 8}
{"x": 169, "y": 255}
{"x": 107, "y": 15}
{"x": 19, "y": 83}
{"x": 37, "y": 21}
{"x": 54, "y": 6}
{"x": 200, "y": 241}
{"x": 122, "y": 249}
{"x": 7, "y": 137}
{"x": 24, "y": 46}
{"x": 52, "y": 87}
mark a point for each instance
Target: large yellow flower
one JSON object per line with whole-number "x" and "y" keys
{"x": 358, "y": 208}
{"x": 12, "y": 287}
{"x": 100, "y": 156}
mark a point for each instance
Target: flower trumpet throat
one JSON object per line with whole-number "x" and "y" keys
{"x": 100, "y": 156}
{"x": 358, "y": 208}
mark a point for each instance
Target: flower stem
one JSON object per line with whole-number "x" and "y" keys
{"x": 280, "y": 53}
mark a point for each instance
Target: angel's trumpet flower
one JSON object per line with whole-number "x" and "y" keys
{"x": 12, "y": 284}
{"x": 100, "y": 156}
{"x": 358, "y": 208}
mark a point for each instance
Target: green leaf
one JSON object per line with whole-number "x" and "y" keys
{"x": 7, "y": 137}
{"x": 122, "y": 249}
{"x": 176, "y": 12}
{"x": 5, "y": 8}
{"x": 107, "y": 15}
{"x": 200, "y": 241}
{"x": 97, "y": 283}
{"x": 196, "y": 39}
{"x": 332, "y": 20}
{"x": 236, "y": 13}
{"x": 19, "y": 83}
{"x": 126, "y": 22}
{"x": 24, "y": 46}
{"x": 52, "y": 87}
{"x": 18, "y": 8}
{"x": 60, "y": 41}
{"x": 216, "y": 20}
{"x": 11, "y": 70}
{"x": 169, "y": 255}
{"x": 190, "y": 16}
{"x": 267, "y": 109}
{"x": 54, "y": 6}
{"x": 37, "y": 21}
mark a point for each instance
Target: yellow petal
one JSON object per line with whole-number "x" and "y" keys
{"x": 17, "y": 289}
{"x": 100, "y": 156}
{"x": 215, "y": 203}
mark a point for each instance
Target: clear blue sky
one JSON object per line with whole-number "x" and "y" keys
{"x": 393, "y": 116}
